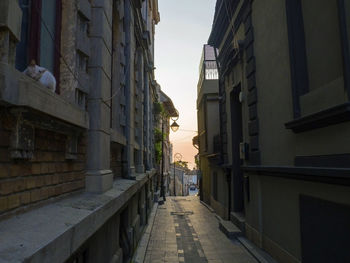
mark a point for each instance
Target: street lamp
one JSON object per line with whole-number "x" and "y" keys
{"x": 174, "y": 126}
{"x": 177, "y": 157}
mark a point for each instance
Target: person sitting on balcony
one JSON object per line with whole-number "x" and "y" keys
{"x": 41, "y": 74}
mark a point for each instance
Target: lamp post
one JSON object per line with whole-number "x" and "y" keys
{"x": 177, "y": 157}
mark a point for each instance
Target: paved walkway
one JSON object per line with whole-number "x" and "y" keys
{"x": 186, "y": 231}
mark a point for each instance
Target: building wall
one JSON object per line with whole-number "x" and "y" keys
{"x": 48, "y": 174}
{"x": 273, "y": 136}
{"x": 208, "y": 101}
{"x": 219, "y": 196}
{"x": 75, "y": 150}
{"x": 289, "y": 80}
{"x": 206, "y": 179}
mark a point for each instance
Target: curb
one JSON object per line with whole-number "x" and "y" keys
{"x": 141, "y": 249}
{"x": 259, "y": 254}
{"x": 208, "y": 207}
{"x": 233, "y": 232}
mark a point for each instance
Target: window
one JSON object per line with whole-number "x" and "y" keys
{"x": 319, "y": 56}
{"x": 22, "y": 47}
{"x": 40, "y": 35}
{"x": 82, "y": 62}
{"x": 48, "y": 35}
{"x": 83, "y": 24}
{"x": 322, "y": 42}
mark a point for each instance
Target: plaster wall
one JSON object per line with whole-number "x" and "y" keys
{"x": 206, "y": 179}
{"x": 280, "y": 203}
{"x": 273, "y": 82}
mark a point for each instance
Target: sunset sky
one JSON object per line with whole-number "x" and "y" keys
{"x": 183, "y": 30}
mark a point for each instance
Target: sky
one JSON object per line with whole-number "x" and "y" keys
{"x": 183, "y": 29}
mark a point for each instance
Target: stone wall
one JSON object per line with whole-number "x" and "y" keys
{"x": 116, "y": 160}
{"x": 48, "y": 174}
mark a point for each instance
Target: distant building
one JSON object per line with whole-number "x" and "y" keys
{"x": 164, "y": 125}
{"x": 284, "y": 89}
{"x": 180, "y": 173}
{"x": 212, "y": 175}
{"x": 190, "y": 179}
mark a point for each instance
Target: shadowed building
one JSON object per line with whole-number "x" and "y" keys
{"x": 78, "y": 165}
{"x": 284, "y": 87}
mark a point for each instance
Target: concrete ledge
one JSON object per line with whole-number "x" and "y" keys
{"x": 117, "y": 137}
{"x": 66, "y": 224}
{"x": 16, "y": 89}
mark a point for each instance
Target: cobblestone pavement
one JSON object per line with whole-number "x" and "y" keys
{"x": 186, "y": 231}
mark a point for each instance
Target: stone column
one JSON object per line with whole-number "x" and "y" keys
{"x": 99, "y": 175}
{"x": 139, "y": 166}
{"x": 10, "y": 30}
{"x": 129, "y": 167}
{"x": 147, "y": 120}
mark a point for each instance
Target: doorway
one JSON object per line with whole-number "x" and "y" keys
{"x": 237, "y": 137}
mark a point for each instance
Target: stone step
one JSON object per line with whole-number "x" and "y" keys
{"x": 239, "y": 220}
{"x": 233, "y": 232}
{"x": 229, "y": 229}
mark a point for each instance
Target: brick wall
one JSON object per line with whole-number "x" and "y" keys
{"x": 47, "y": 175}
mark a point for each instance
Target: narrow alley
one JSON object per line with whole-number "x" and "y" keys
{"x": 137, "y": 131}
{"x": 184, "y": 230}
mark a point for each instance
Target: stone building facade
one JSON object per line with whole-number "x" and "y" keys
{"x": 169, "y": 111}
{"x": 284, "y": 123}
{"x": 180, "y": 173}
{"x": 78, "y": 165}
